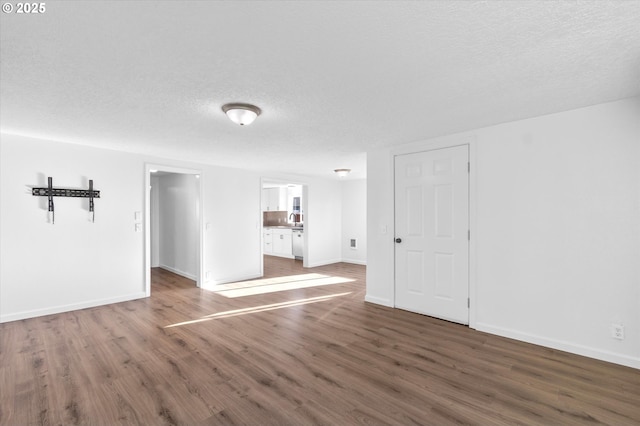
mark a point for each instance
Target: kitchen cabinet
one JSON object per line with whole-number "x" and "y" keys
{"x": 274, "y": 199}
{"x": 282, "y": 242}
{"x": 267, "y": 241}
{"x": 278, "y": 242}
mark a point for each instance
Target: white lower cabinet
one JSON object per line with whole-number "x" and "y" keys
{"x": 278, "y": 242}
{"x": 267, "y": 241}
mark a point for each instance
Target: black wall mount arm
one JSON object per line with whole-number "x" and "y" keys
{"x": 50, "y": 195}
{"x": 51, "y": 192}
{"x": 91, "y": 196}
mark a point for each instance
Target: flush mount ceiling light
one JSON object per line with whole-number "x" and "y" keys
{"x": 242, "y": 114}
{"x": 342, "y": 172}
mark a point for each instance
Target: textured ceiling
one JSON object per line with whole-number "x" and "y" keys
{"x": 333, "y": 78}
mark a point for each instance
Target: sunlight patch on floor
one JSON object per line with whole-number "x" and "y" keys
{"x": 271, "y": 285}
{"x": 267, "y": 281}
{"x": 262, "y": 308}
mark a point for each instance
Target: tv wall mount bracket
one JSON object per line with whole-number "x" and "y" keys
{"x": 51, "y": 192}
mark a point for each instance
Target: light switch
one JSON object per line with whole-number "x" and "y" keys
{"x": 138, "y": 216}
{"x": 208, "y": 226}
{"x": 138, "y": 227}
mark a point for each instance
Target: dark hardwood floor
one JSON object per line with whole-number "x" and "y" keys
{"x": 301, "y": 351}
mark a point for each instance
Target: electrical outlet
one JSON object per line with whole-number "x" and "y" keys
{"x": 617, "y": 331}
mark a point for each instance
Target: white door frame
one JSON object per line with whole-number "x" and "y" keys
{"x": 447, "y": 142}
{"x": 305, "y": 203}
{"x": 147, "y": 220}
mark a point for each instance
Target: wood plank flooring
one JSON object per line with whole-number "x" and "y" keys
{"x": 303, "y": 351}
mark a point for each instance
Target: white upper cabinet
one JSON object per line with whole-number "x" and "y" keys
{"x": 273, "y": 199}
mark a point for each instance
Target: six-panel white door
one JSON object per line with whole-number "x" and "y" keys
{"x": 431, "y": 231}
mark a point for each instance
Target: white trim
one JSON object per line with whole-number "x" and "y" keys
{"x": 71, "y": 307}
{"x": 323, "y": 262}
{"x": 178, "y": 272}
{"x": 305, "y": 203}
{"x": 355, "y": 261}
{"x": 378, "y": 301}
{"x": 629, "y": 361}
{"x": 284, "y": 256}
{"x": 305, "y": 213}
{"x": 210, "y": 284}
{"x": 147, "y": 220}
{"x": 473, "y": 227}
{"x": 433, "y": 144}
{"x": 440, "y": 143}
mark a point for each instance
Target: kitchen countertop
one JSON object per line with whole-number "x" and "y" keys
{"x": 295, "y": 228}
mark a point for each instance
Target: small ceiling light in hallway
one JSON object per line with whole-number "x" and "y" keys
{"x": 342, "y": 172}
{"x": 242, "y": 114}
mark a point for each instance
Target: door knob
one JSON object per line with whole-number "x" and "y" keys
{"x": 398, "y": 240}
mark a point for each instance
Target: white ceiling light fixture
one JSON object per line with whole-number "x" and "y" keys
{"x": 242, "y": 114}
{"x": 342, "y": 172}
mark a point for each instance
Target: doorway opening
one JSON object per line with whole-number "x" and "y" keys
{"x": 283, "y": 209}
{"x": 173, "y": 222}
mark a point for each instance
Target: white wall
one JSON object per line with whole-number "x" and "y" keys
{"x": 555, "y": 229}
{"x": 74, "y": 263}
{"x": 322, "y": 222}
{"x": 380, "y": 246}
{"x": 354, "y": 220}
{"x": 178, "y": 225}
{"x": 232, "y": 214}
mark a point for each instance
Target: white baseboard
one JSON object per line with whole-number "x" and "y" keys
{"x": 590, "y": 352}
{"x": 211, "y": 284}
{"x": 71, "y": 307}
{"x": 187, "y": 275}
{"x": 378, "y": 301}
{"x": 286, "y": 256}
{"x": 355, "y": 261}
{"x": 323, "y": 262}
